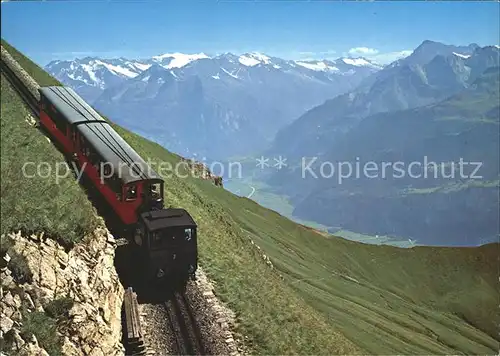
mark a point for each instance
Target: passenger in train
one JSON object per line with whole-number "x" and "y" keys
{"x": 155, "y": 194}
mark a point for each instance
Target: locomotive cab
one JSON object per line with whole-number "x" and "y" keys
{"x": 168, "y": 240}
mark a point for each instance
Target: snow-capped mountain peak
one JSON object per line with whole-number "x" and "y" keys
{"x": 139, "y": 66}
{"x": 178, "y": 60}
{"x": 95, "y": 72}
{"x": 340, "y": 65}
{"x": 115, "y": 69}
{"x": 254, "y": 58}
{"x": 93, "y": 75}
{"x": 318, "y": 65}
{"x": 358, "y": 62}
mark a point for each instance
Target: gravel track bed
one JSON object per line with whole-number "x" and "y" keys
{"x": 156, "y": 329}
{"x": 207, "y": 336}
{"x": 212, "y": 335}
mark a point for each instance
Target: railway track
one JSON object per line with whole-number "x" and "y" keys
{"x": 19, "y": 86}
{"x": 186, "y": 333}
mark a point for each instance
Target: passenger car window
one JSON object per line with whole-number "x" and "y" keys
{"x": 131, "y": 193}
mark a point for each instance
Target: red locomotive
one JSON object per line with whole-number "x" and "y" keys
{"x": 133, "y": 190}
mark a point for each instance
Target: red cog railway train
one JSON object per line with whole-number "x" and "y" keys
{"x": 167, "y": 238}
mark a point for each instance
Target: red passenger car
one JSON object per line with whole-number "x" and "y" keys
{"x": 133, "y": 190}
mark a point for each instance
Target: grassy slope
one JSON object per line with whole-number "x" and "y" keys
{"x": 404, "y": 298}
{"x": 337, "y": 296}
{"x": 37, "y": 204}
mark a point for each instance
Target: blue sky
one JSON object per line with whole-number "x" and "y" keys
{"x": 291, "y": 29}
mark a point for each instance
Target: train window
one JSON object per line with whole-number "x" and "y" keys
{"x": 155, "y": 191}
{"x": 82, "y": 143}
{"x": 93, "y": 158}
{"x": 113, "y": 183}
{"x": 162, "y": 239}
{"x": 131, "y": 193}
{"x": 188, "y": 234}
{"x": 86, "y": 150}
{"x": 59, "y": 122}
{"x": 156, "y": 237}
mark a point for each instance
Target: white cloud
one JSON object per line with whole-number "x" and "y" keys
{"x": 375, "y": 55}
{"x": 362, "y": 51}
{"x": 311, "y": 55}
{"x": 388, "y": 57}
{"x": 371, "y": 54}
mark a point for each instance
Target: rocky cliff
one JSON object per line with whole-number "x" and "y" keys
{"x": 200, "y": 170}
{"x": 69, "y": 300}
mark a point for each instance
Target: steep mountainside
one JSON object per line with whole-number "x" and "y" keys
{"x": 216, "y": 106}
{"x": 51, "y": 292}
{"x": 433, "y": 72}
{"x": 437, "y": 204}
{"x": 326, "y": 295}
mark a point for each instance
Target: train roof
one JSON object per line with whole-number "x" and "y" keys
{"x": 159, "y": 219}
{"x": 70, "y": 104}
{"x": 113, "y": 149}
{"x": 100, "y": 136}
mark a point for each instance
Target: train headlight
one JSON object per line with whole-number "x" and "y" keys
{"x": 160, "y": 273}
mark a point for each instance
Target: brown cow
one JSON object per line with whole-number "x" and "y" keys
{"x": 218, "y": 181}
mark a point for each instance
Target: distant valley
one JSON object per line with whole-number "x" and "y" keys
{"x": 440, "y": 102}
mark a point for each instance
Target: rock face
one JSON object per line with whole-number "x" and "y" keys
{"x": 200, "y": 170}
{"x": 85, "y": 275}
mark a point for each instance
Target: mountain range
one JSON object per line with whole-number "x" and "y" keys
{"x": 433, "y": 72}
{"x": 323, "y": 294}
{"x": 440, "y": 104}
{"x": 215, "y": 106}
